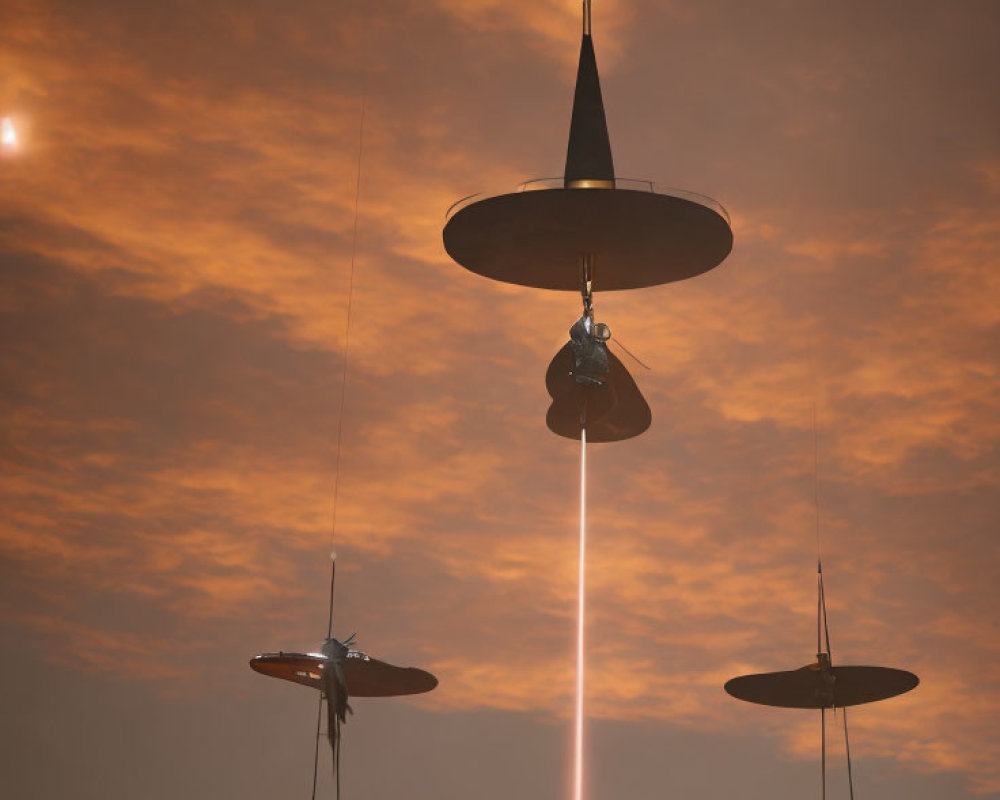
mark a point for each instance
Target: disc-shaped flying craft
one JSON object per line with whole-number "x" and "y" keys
{"x": 340, "y": 672}
{"x": 589, "y": 229}
{"x": 821, "y": 685}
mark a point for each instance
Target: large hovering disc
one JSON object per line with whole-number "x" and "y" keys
{"x": 296, "y": 667}
{"x": 637, "y": 238}
{"x": 365, "y": 676}
{"x": 615, "y": 411}
{"x": 807, "y": 687}
{"x": 369, "y": 677}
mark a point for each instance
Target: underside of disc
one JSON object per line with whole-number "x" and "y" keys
{"x": 807, "y": 687}
{"x": 637, "y": 238}
{"x": 364, "y": 676}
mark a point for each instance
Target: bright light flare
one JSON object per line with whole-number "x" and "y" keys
{"x": 8, "y": 134}
{"x": 578, "y": 764}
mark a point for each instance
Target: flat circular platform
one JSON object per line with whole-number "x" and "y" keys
{"x": 638, "y": 238}
{"x": 806, "y": 688}
{"x": 365, "y": 676}
{"x": 374, "y": 678}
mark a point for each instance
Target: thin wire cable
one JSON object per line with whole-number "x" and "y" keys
{"x": 822, "y": 769}
{"x": 816, "y": 476}
{"x": 336, "y": 760}
{"x": 340, "y": 435}
{"x": 635, "y": 358}
{"x": 581, "y": 593}
{"x": 347, "y": 321}
{"x": 319, "y": 712}
{"x": 319, "y": 722}
{"x": 847, "y": 746}
{"x": 322, "y": 697}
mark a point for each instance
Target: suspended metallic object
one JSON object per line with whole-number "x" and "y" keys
{"x": 340, "y": 672}
{"x": 589, "y": 229}
{"x": 541, "y": 234}
{"x": 590, "y": 388}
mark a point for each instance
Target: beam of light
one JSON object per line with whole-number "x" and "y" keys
{"x": 578, "y": 749}
{"x": 8, "y": 134}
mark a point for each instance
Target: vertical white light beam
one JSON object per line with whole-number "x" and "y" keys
{"x": 578, "y": 768}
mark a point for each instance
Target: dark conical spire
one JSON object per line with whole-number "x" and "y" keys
{"x": 588, "y": 157}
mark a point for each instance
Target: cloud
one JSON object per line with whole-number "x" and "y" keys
{"x": 177, "y": 244}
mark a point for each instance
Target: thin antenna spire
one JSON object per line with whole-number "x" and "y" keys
{"x": 588, "y": 153}
{"x": 333, "y": 580}
{"x": 819, "y": 607}
{"x": 822, "y": 628}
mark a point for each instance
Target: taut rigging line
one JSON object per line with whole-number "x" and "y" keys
{"x": 822, "y": 623}
{"x": 333, "y": 719}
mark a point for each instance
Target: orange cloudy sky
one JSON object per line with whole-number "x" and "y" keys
{"x": 175, "y": 241}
